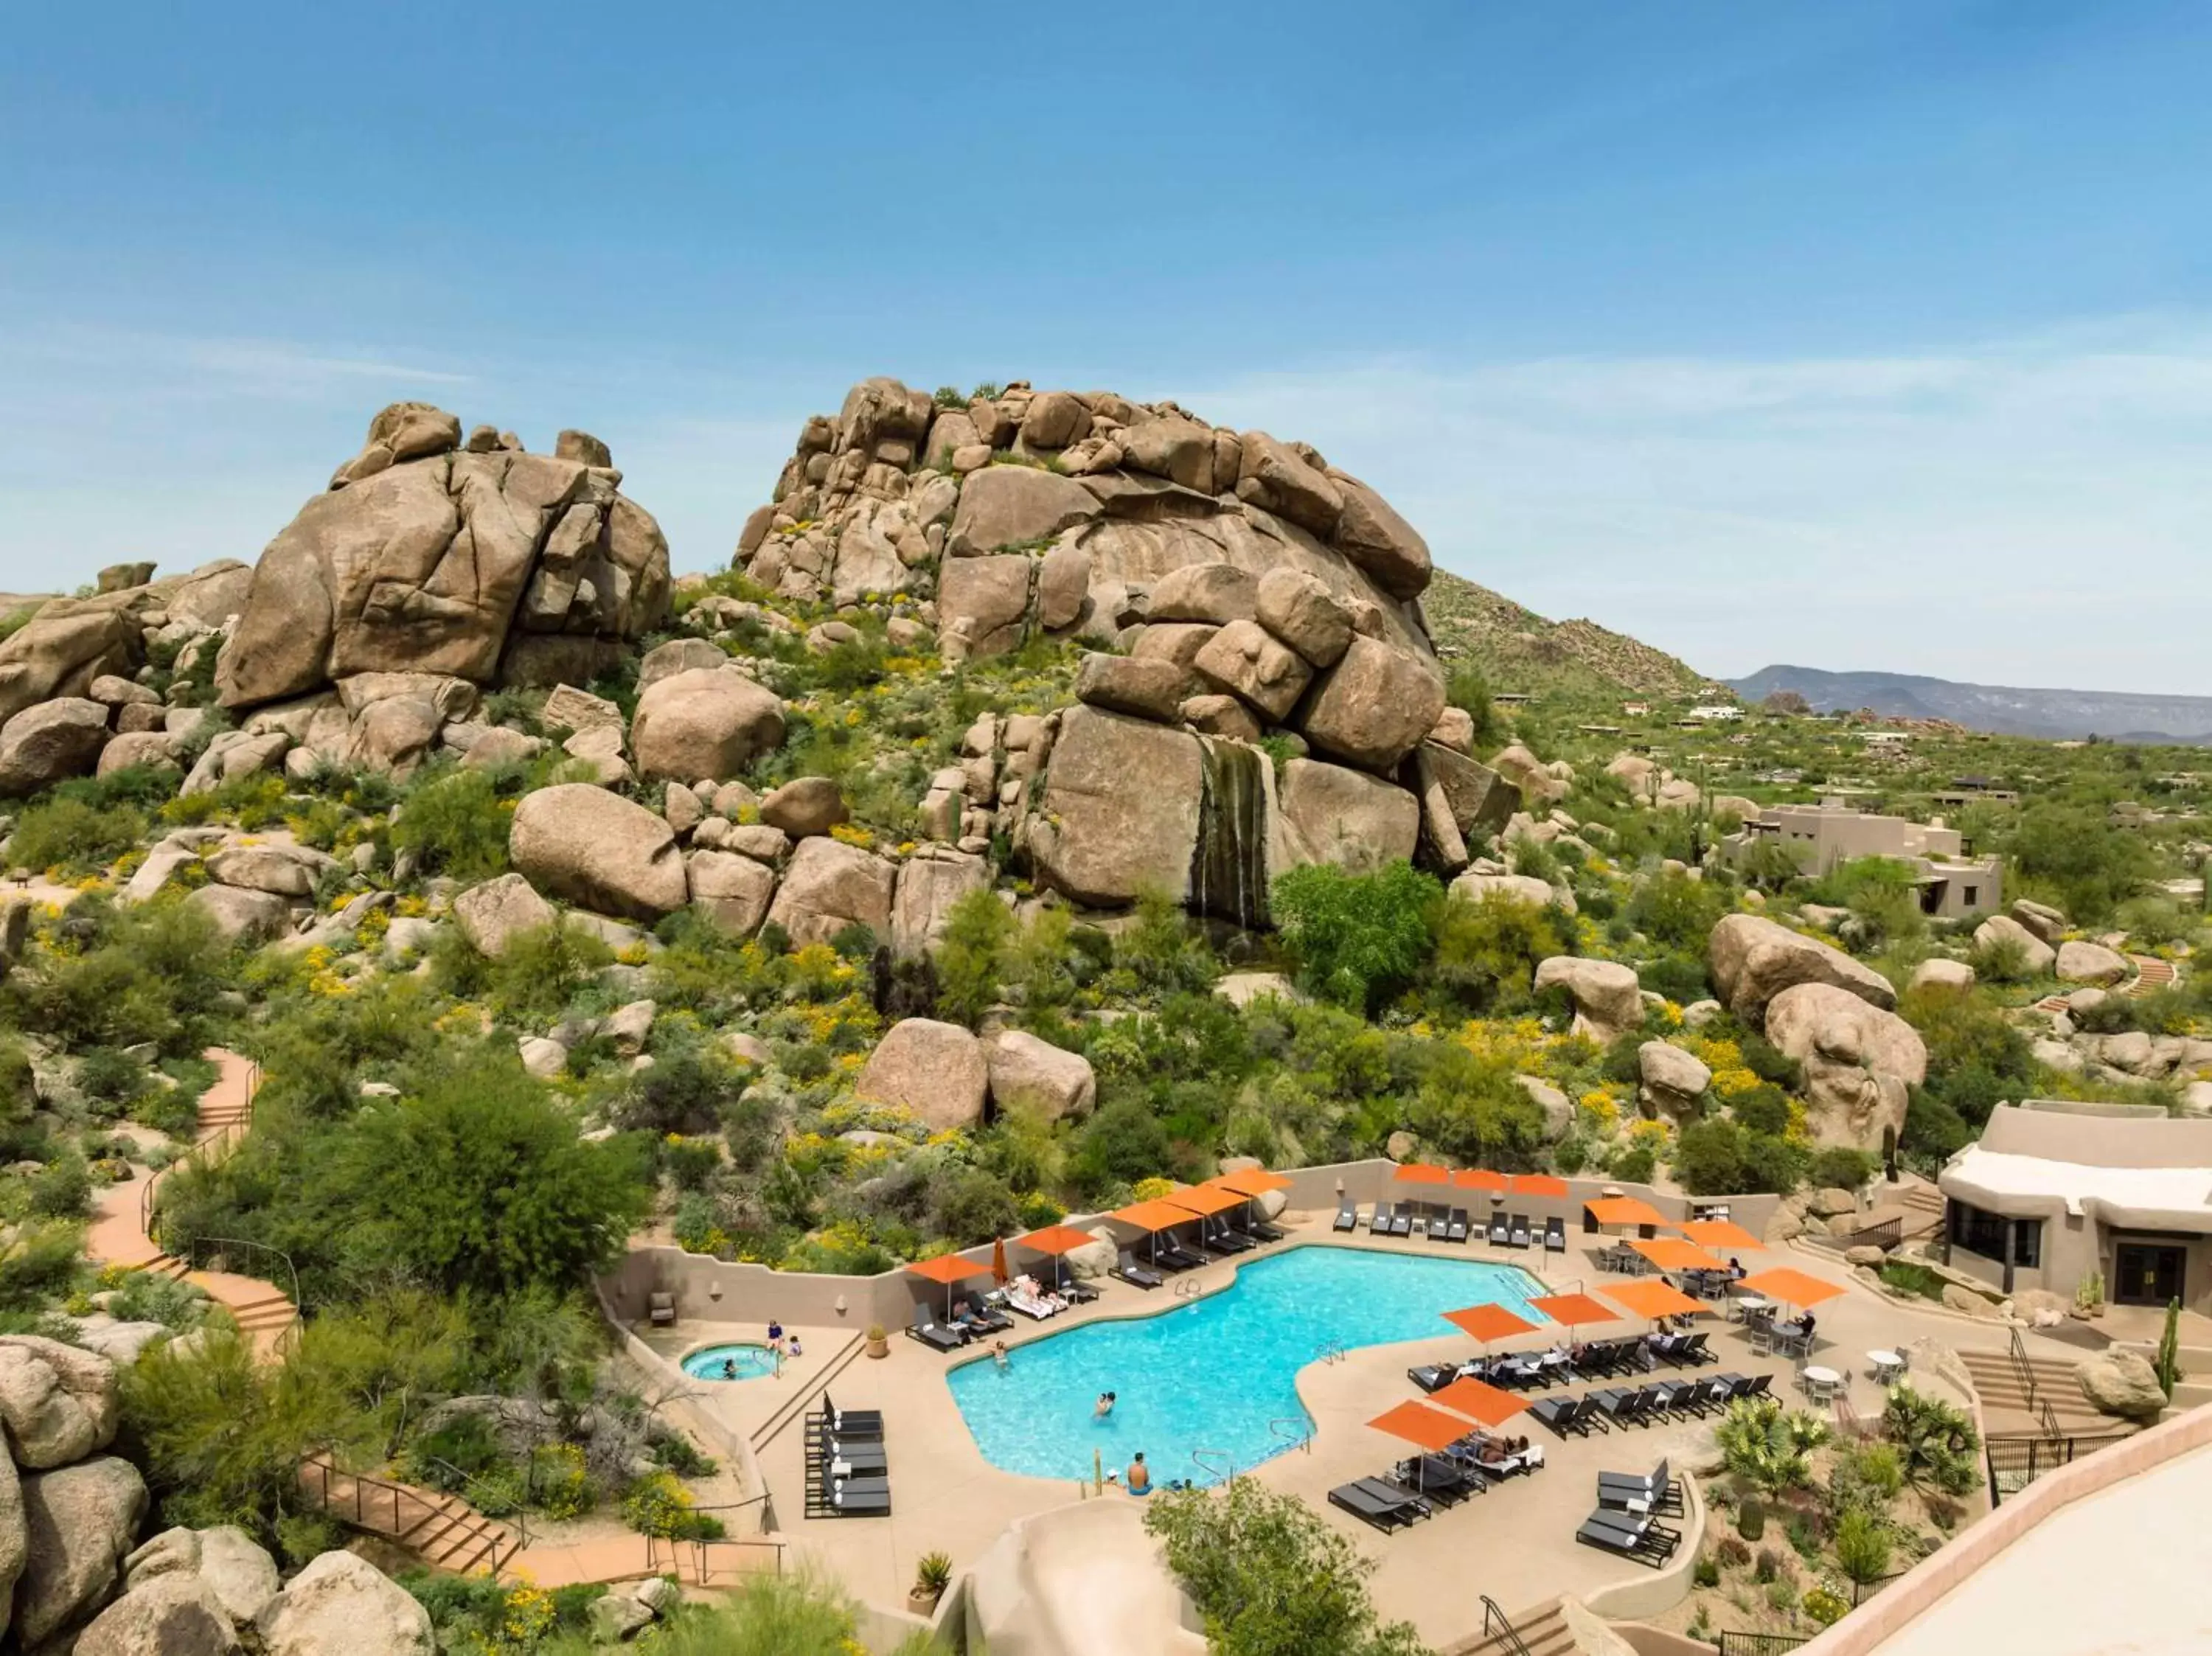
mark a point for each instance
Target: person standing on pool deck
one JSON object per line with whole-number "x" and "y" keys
{"x": 1140, "y": 1479}
{"x": 775, "y": 1335}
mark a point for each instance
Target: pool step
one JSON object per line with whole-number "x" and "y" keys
{"x": 1542, "y": 1630}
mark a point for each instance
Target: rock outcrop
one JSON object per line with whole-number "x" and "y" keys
{"x": 598, "y": 851}
{"x": 489, "y": 565}
{"x": 1859, "y": 1061}
{"x": 1754, "y": 959}
{"x": 1608, "y": 1000}
{"x": 937, "y": 1071}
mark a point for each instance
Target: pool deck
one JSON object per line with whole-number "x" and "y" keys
{"x": 1515, "y": 1544}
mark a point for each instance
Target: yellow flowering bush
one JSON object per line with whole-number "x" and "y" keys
{"x": 1147, "y": 1190}
{"x": 1601, "y": 1111}
{"x": 1654, "y": 1133}
{"x": 851, "y": 833}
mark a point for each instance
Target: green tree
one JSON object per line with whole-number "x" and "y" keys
{"x": 1675, "y": 910}
{"x": 2073, "y": 852}
{"x": 971, "y": 957}
{"x": 1863, "y": 1546}
{"x": 1768, "y": 1447}
{"x": 1269, "y": 1577}
{"x": 1485, "y": 953}
{"x": 1469, "y": 691}
{"x": 1356, "y": 937}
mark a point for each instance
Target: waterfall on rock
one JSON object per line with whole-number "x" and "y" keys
{"x": 1229, "y": 872}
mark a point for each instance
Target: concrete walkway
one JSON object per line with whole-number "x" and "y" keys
{"x": 265, "y": 1313}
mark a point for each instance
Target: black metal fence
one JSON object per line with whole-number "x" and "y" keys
{"x": 2016, "y": 1462}
{"x": 1759, "y": 1644}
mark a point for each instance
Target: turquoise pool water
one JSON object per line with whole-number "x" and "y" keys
{"x": 1213, "y": 1374}
{"x": 753, "y": 1362}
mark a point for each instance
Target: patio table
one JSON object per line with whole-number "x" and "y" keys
{"x": 1888, "y": 1366}
{"x": 1821, "y": 1383}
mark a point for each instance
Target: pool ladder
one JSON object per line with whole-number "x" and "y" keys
{"x": 1298, "y": 1437}
{"x": 1332, "y": 1351}
{"x": 1188, "y": 1289}
{"x": 1219, "y": 1474}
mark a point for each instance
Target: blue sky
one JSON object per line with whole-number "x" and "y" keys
{"x": 1873, "y": 335}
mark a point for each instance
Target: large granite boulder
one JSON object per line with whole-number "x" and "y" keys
{"x": 341, "y": 1605}
{"x": 56, "y": 1401}
{"x": 172, "y": 1615}
{"x": 1331, "y": 814}
{"x": 937, "y": 1070}
{"x": 1119, "y": 811}
{"x": 1144, "y": 687}
{"x": 928, "y": 886}
{"x": 1032, "y": 1075}
{"x": 1528, "y": 773}
{"x": 704, "y": 722}
{"x": 242, "y": 916}
{"x": 1299, "y": 608}
{"x": 1474, "y": 888}
{"x": 1673, "y": 1080}
{"x": 236, "y": 1570}
{"x": 829, "y": 885}
{"x": 80, "y": 1522}
{"x": 1956, "y": 976}
{"x": 733, "y": 891}
{"x": 1371, "y": 533}
{"x": 1247, "y": 662}
{"x": 598, "y": 851}
{"x": 1464, "y": 802}
{"x": 2090, "y": 962}
{"x": 1373, "y": 705}
{"x": 51, "y": 743}
{"x": 983, "y": 604}
{"x": 1754, "y": 959}
{"x": 423, "y": 558}
{"x": 2001, "y": 931}
{"x": 491, "y": 913}
{"x": 2121, "y": 1382}
{"x": 1608, "y": 1000}
{"x": 1859, "y": 1061}
{"x": 1016, "y": 506}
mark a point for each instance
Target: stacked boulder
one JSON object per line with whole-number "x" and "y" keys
{"x": 945, "y": 1075}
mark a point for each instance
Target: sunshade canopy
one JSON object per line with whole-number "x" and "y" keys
{"x": 1056, "y": 1239}
{"x": 1622, "y": 1211}
{"x": 1421, "y": 1173}
{"x": 1157, "y": 1214}
{"x": 1672, "y": 1253}
{"x": 1791, "y": 1286}
{"x": 948, "y": 1268}
{"x": 1538, "y": 1184}
{"x": 1574, "y": 1309}
{"x": 1251, "y": 1181}
{"x": 1719, "y": 1233}
{"x": 1654, "y": 1297}
{"x": 1200, "y": 1199}
{"x": 1479, "y": 1400}
{"x": 1488, "y": 1322}
{"x": 1479, "y": 1178}
{"x": 1417, "y": 1424}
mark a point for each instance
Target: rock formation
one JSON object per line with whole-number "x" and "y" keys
{"x": 1859, "y": 1061}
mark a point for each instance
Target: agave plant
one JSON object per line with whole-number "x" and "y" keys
{"x": 1768, "y": 1447}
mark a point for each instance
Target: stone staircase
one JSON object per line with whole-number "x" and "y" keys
{"x": 443, "y": 1530}
{"x": 1540, "y": 1631}
{"x": 2008, "y": 1408}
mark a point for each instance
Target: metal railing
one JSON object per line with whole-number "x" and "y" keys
{"x": 499, "y": 1544}
{"x": 204, "y": 1153}
{"x": 2037, "y": 1404}
{"x": 1759, "y": 1644}
{"x": 1887, "y": 1235}
{"x": 1298, "y": 1436}
{"x": 2015, "y": 1463}
{"x": 1496, "y": 1624}
{"x": 199, "y": 1247}
{"x": 1223, "y": 1473}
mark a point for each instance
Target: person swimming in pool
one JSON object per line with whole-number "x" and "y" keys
{"x": 1104, "y": 1406}
{"x": 998, "y": 1353}
{"x": 729, "y": 1369}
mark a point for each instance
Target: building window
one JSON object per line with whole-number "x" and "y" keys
{"x": 1977, "y": 1232}
{"x": 1973, "y": 895}
{"x": 2028, "y": 1242}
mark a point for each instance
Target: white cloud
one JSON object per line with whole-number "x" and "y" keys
{"x": 2031, "y": 512}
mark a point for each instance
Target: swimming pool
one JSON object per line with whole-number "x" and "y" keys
{"x": 753, "y": 1362}
{"x": 1214, "y": 1373}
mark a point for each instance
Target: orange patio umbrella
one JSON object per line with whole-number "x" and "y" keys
{"x": 1790, "y": 1286}
{"x": 1672, "y": 1253}
{"x": 1421, "y": 1173}
{"x": 1480, "y": 1401}
{"x": 1484, "y": 1323}
{"x": 1622, "y": 1210}
{"x": 1152, "y": 1217}
{"x": 1574, "y": 1309}
{"x": 950, "y": 1269}
{"x": 1480, "y": 1179}
{"x": 1251, "y": 1181}
{"x": 1719, "y": 1234}
{"x": 1538, "y": 1184}
{"x": 1424, "y": 1428}
{"x": 1054, "y": 1240}
{"x": 1654, "y": 1297}
{"x": 1203, "y": 1201}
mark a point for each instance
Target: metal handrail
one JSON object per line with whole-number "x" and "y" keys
{"x": 1199, "y": 1456}
{"x": 369, "y": 1481}
{"x": 1491, "y": 1613}
{"x": 200, "y": 1242}
{"x": 203, "y": 1152}
{"x": 1297, "y": 1438}
{"x": 522, "y": 1514}
{"x": 2037, "y": 1404}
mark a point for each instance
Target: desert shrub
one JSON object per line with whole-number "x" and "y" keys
{"x": 1707, "y": 1572}
{"x": 1731, "y": 1553}
{"x": 1357, "y": 938}
{"x": 1839, "y": 1166}
{"x": 541, "y": 970}
{"x": 1675, "y": 911}
{"x": 2071, "y": 853}
{"x": 1485, "y": 954}
{"x": 1936, "y": 1442}
{"x": 1717, "y": 1157}
{"x": 1468, "y": 690}
{"x": 456, "y": 824}
{"x": 1976, "y": 1058}
{"x": 1680, "y": 978}
{"x": 74, "y": 837}
{"x": 61, "y": 1189}
{"x": 1635, "y": 1164}
{"x": 971, "y": 957}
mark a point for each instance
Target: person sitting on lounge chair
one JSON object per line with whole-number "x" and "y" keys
{"x": 1139, "y": 1478}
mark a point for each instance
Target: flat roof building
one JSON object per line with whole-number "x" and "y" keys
{"x": 1821, "y": 837}
{"x": 2055, "y": 1190}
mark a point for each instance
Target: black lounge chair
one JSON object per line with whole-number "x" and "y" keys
{"x": 1378, "y": 1220}
{"x": 860, "y": 1499}
{"x": 1622, "y": 1405}
{"x": 1455, "y": 1226}
{"x": 1631, "y": 1538}
{"x": 1694, "y": 1350}
{"x": 1385, "y": 1507}
{"x": 1348, "y": 1215}
{"x": 852, "y": 1423}
{"x": 1434, "y": 1376}
{"x": 982, "y": 1316}
{"x": 860, "y": 1459}
{"x": 1136, "y": 1275}
{"x": 1659, "y": 1488}
{"x": 1401, "y": 1224}
{"x": 925, "y": 1328}
{"x": 1758, "y": 1388}
{"x": 1500, "y": 1234}
{"x": 1520, "y": 1231}
{"x": 1555, "y": 1236}
{"x": 1564, "y": 1415}
{"x": 1175, "y": 1257}
{"x": 1216, "y": 1234}
{"x": 1438, "y": 1478}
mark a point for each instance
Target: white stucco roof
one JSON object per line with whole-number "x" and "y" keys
{"x": 2023, "y": 1184}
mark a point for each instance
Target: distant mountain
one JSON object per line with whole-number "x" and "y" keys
{"x": 2002, "y": 708}
{"x": 1518, "y": 649}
